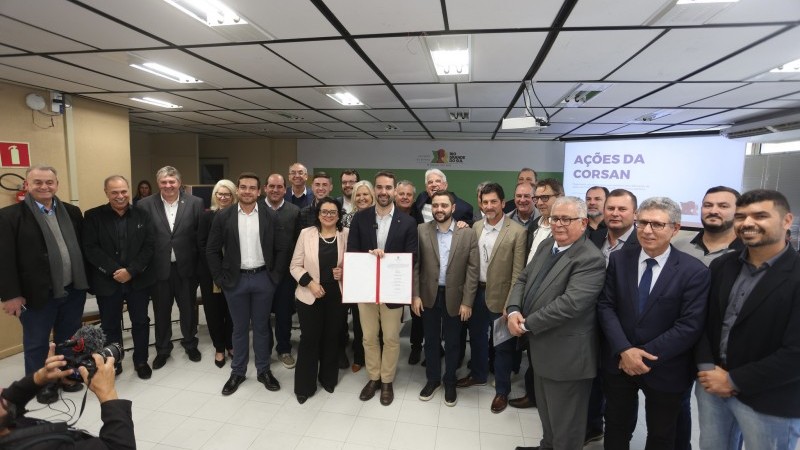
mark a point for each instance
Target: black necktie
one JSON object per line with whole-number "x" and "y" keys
{"x": 644, "y": 284}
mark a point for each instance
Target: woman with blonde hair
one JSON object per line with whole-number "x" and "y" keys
{"x": 220, "y": 327}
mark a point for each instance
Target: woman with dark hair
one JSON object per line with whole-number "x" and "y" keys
{"x": 218, "y": 318}
{"x": 317, "y": 267}
{"x": 143, "y": 189}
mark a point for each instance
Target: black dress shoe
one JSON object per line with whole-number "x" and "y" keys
{"x": 269, "y": 381}
{"x": 144, "y": 371}
{"x": 302, "y": 399}
{"x": 592, "y": 436}
{"x": 159, "y": 361}
{"x": 220, "y": 362}
{"x": 369, "y": 390}
{"x": 232, "y": 384}
{"x": 328, "y": 389}
{"x": 194, "y": 354}
{"x": 48, "y": 394}
{"x": 415, "y": 356}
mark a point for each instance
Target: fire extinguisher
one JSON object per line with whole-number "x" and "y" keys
{"x": 18, "y": 188}
{"x": 21, "y": 194}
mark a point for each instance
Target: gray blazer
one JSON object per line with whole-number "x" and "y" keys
{"x": 560, "y": 315}
{"x": 182, "y": 238}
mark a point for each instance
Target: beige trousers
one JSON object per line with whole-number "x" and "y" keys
{"x": 374, "y": 318}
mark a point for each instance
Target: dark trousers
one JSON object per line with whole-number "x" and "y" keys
{"x": 180, "y": 290}
{"x": 417, "y": 332}
{"x": 597, "y": 406}
{"x": 683, "y": 432}
{"x": 318, "y": 351}
{"x": 250, "y": 302}
{"x": 283, "y": 307}
{"x": 61, "y": 315}
{"x": 478, "y": 325}
{"x": 622, "y": 401}
{"x": 503, "y": 364}
{"x": 218, "y": 318}
{"x": 111, "y": 319}
{"x": 358, "y": 335}
{"x": 437, "y": 322}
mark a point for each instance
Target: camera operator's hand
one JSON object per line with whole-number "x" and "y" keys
{"x": 51, "y": 372}
{"x": 102, "y": 383}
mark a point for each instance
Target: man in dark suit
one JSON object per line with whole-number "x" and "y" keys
{"x": 42, "y": 274}
{"x": 749, "y": 356}
{"x": 321, "y": 186}
{"x": 651, "y": 312}
{"x": 553, "y": 302}
{"x": 446, "y": 275}
{"x": 299, "y": 195}
{"x": 118, "y": 242}
{"x": 175, "y": 216}
{"x": 348, "y": 178}
{"x": 435, "y": 180}
{"x": 247, "y": 255}
{"x": 283, "y": 303}
{"x": 525, "y": 175}
{"x": 378, "y": 230}
{"x": 595, "y": 205}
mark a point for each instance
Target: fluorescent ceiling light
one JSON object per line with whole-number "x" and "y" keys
{"x": 166, "y": 72}
{"x": 341, "y": 96}
{"x": 582, "y": 94}
{"x": 790, "y": 67}
{"x": 691, "y": 2}
{"x": 451, "y": 56}
{"x": 211, "y": 12}
{"x": 156, "y": 102}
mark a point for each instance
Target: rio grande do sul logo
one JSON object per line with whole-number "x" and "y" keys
{"x": 442, "y": 156}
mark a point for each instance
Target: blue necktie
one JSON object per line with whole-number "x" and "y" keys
{"x": 644, "y": 284}
{"x": 555, "y": 251}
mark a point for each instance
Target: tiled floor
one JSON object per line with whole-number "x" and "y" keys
{"x": 181, "y": 407}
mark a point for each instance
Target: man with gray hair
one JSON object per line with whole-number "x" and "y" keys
{"x": 553, "y": 302}
{"x": 651, "y": 311}
{"x": 175, "y": 216}
{"x": 42, "y": 276}
{"x": 435, "y": 180}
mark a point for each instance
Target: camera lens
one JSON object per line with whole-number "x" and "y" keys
{"x": 113, "y": 350}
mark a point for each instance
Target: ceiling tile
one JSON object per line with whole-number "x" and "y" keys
{"x": 387, "y": 16}
{"x": 45, "y": 66}
{"x": 217, "y": 98}
{"x": 442, "y": 126}
{"x": 284, "y": 24}
{"x": 486, "y": 114}
{"x": 479, "y": 127}
{"x": 574, "y": 115}
{"x": 429, "y": 95}
{"x": 198, "y": 117}
{"x": 753, "y": 93}
{"x": 761, "y": 11}
{"x": 234, "y": 116}
{"x": 44, "y": 81}
{"x": 332, "y": 62}
{"x": 684, "y": 93}
{"x": 375, "y": 96}
{"x": 504, "y": 56}
{"x": 350, "y": 116}
{"x": 432, "y": 115}
{"x": 731, "y": 117}
{"x": 402, "y": 59}
{"x": 598, "y": 13}
{"x": 335, "y": 126}
{"x": 391, "y": 115}
{"x": 595, "y": 129}
{"x": 256, "y": 63}
{"x": 486, "y": 94}
{"x": 480, "y": 14}
{"x": 32, "y": 39}
{"x": 265, "y": 97}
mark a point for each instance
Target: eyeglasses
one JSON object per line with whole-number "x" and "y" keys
{"x": 328, "y": 212}
{"x": 222, "y": 196}
{"x": 565, "y": 221}
{"x": 656, "y": 226}
{"x": 544, "y": 198}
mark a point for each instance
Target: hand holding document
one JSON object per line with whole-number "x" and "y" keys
{"x": 369, "y": 279}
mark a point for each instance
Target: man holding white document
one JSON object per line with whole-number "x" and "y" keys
{"x": 380, "y": 231}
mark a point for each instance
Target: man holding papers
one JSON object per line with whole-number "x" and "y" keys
{"x": 446, "y": 275}
{"x": 381, "y": 230}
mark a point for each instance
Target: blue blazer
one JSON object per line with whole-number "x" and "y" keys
{"x": 402, "y": 236}
{"x": 670, "y": 325}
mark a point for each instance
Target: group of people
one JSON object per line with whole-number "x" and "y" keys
{"x": 605, "y": 297}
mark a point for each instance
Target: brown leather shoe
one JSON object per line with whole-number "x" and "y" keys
{"x": 355, "y": 367}
{"x": 522, "y": 403}
{"x": 469, "y": 382}
{"x": 369, "y": 390}
{"x": 387, "y": 394}
{"x": 499, "y": 403}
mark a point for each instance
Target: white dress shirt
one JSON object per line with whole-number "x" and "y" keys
{"x": 250, "y": 239}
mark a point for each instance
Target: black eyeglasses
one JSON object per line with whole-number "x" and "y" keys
{"x": 656, "y": 226}
{"x": 544, "y": 198}
{"x": 328, "y": 212}
{"x": 223, "y": 196}
{"x": 566, "y": 221}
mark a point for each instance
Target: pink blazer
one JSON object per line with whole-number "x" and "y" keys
{"x": 306, "y": 259}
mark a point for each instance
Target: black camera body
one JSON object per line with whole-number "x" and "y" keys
{"x": 85, "y": 359}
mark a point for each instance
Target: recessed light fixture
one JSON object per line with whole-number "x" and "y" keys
{"x": 156, "y": 102}
{"x": 166, "y": 72}
{"x": 210, "y": 12}
{"x": 341, "y": 96}
{"x": 789, "y": 67}
{"x": 653, "y": 116}
{"x": 450, "y": 56}
{"x": 691, "y": 2}
{"x": 582, "y": 94}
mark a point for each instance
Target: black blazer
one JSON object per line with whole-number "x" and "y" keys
{"x": 24, "y": 265}
{"x": 224, "y": 235}
{"x": 764, "y": 342}
{"x": 463, "y": 209}
{"x": 182, "y": 239}
{"x": 599, "y": 236}
{"x": 203, "y": 228}
{"x": 100, "y": 248}
{"x": 670, "y": 325}
{"x": 402, "y": 237}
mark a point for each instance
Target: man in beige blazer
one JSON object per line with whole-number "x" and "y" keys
{"x": 446, "y": 277}
{"x": 501, "y": 243}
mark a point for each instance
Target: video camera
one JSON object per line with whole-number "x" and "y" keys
{"x": 87, "y": 341}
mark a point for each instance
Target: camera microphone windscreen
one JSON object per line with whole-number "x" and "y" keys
{"x": 88, "y": 339}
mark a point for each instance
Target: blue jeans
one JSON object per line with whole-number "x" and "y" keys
{"x": 251, "y": 301}
{"x": 437, "y": 322}
{"x": 478, "y": 325}
{"x": 724, "y": 422}
{"x": 62, "y": 316}
{"x": 111, "y": 319}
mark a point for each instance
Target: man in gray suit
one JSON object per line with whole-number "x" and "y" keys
{"x": 174, "y": 215}
{"x": 554, "y": 302}
{"x": 447, "y": 278}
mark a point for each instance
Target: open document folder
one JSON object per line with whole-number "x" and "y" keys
{"x": 369, "y": 279}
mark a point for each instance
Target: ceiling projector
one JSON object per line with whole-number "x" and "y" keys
{"x": 527, "y": 123}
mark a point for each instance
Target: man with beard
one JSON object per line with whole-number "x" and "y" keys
{"x": 717, "y": 236}
{"x": 348, "y": 178}
{"x": 595, "y": 203}
{"x": 748, "y": 358}
{"x": 446, "y": 277}
{"x": 299, "y": 195}
{"x": 247, "y": 256}
{"x": 380, "y": 229}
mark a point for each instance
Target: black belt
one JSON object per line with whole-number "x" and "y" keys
{"x": 252, "y": 271}
{"x": 482, "y": 284}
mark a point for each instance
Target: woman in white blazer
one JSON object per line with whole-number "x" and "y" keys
{"x": 317, "y": 267}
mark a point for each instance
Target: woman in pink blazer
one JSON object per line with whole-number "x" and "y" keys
{"x": 317, "y": 267}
